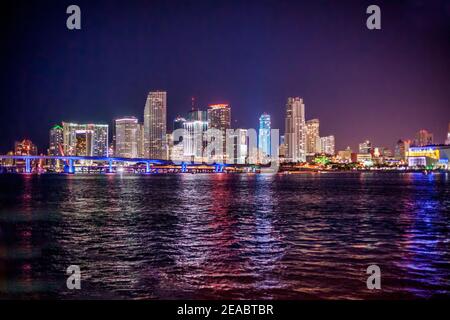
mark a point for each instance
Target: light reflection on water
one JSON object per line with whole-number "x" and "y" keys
{"x": 225, "y": 236}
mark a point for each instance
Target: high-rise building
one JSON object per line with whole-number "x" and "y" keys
{"x": 327, "y": 145}
{"x": 264, "y": 144}
{"x": 239, "y": 153}
{"x": 219, "y": 116}
{"x": 365, "y": 147}
{"x": 194, "y": 142}
{"x": 295, "y": 135}
{"x": 56, "y": 143}
{"x": 447, "y": 141}
{"x": 423, "y": 138}
{"x": 155, "y": 127}
{"x": 312, "y": 136}
{"x": 85, "y": 139}
{"x": 127, "y": 137}
{"x": 25, "y": 148}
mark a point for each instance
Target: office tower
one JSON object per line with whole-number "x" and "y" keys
{"x": 155, "y": 113}
{"x": 25, "y": 148}
{"x": 127, "y": 137}
{"x": 219, "y": 116}
{"x": 194, "y": 142}
{"x": 423, "y": 138}
{"x": 85, "y": 139}
{"x": 401, "y": 149}
{"x": 240, "y": 152}
{"x": 100, "y": 146}
{"x": 312, "y": 136}
{"x": 327, "y": 145}
{"x": 56, "y": 143}
{"x": 447, "y": 141}
{"x": 264, "y": 136}
{"x": 365, "y": 147}
{"x": 295, "y": 135}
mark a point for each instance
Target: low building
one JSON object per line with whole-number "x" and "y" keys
{"x": 432, "y": 157}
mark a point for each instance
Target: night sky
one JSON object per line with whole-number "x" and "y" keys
{"x": 362, "y": 84}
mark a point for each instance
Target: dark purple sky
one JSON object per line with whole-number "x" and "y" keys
{"x": 381, "y": 85}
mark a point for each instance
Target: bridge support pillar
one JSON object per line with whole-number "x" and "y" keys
{"x": 183, "y": 167}
{"x": 147, "y": 167}
{"x": 28, "y": 165}
{"x": 71, "y": 166}
{"x": 110, "y": 167}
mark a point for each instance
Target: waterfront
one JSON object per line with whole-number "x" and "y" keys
{"x": 225, "y": 236}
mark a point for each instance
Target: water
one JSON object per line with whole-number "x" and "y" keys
{"x": 230, "y": 236}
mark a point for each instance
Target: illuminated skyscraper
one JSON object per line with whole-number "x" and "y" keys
{"x": 312, "y": 136}
{"x": 155, "y": 128}
{"x": 85, "y": 139}
{"x": 264, "y": 137}
{"x": 194, "y": 143}
{"x": 423, "y": 138}
{"x": 327, "y": 145}
{"x": 56, "y": 143}
{"x": 295, "y": 135}
{"x": 127, "y": 137}
{"x": 219, "y": 116}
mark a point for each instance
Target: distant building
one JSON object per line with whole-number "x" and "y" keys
{"x": 128, "y": 137}
{"x": 240, "y": 146}
{"x": 327, "y": 145}
{"x": 365, "y": 147}
{"x": 401, "y": 149}
{"x": 219, "y": 117}
{"x": 423, "y": 138}
{"x": 25, "y": 148}
{"x": 56, "y": 142}
{"x": 155, "y": 127}
{"x": 295, "y": 134}
{"x": 178, "y": 123}
{"x": 312, "y": 137}
{"x": 345, "y": 155}
{"x": 85, "y": 139}
{"x": 264, "y": 144}
{"x": 194, "y": 142}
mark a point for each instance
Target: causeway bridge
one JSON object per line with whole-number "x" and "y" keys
{"x": 70, "y": 162}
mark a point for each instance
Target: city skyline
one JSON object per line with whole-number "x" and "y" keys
{"x": 216, "y": 116}
{"x": 352, "y": 83}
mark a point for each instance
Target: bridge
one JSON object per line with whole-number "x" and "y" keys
{"x": 70, "y": 160}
